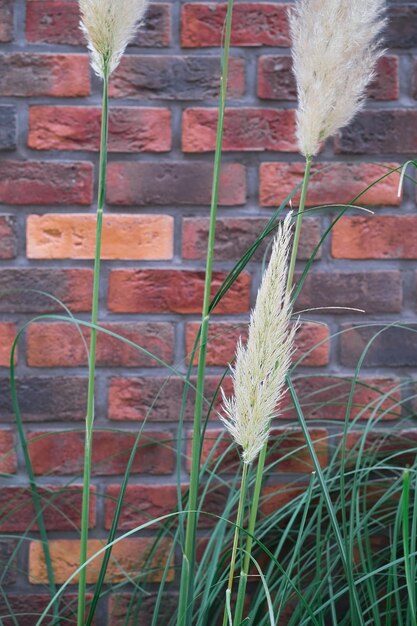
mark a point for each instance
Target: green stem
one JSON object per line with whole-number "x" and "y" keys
{"x": 262, "y": 457}
{"x": 92, "y": 360}
{"x": 239, "y": 520}
{"x": 187, "y": 574}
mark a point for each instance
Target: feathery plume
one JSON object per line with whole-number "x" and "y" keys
{"x": 261, "y": 366}
{"x": 109, "y": 25}
{"x": 336, "y": 45}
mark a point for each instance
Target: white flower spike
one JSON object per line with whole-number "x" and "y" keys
{"x": 335, "y": 46}
{"x": 109, "y": 25}
{"x": 261, "y": 366}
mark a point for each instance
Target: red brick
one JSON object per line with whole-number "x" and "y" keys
{"x": 78, "y": 128}
{"x": 389, "y": 131}
{"x": 277, "y": 497}
{"x": 254, "y": 24}
{"x": 176, "y": 291}
{"x": 61, "y": 508}
{"x": 397, "y": 448}
{"x": 57, "y": 21}
{"x": 8, "y": 332}
{"x": 326, "y": 398}
{"x": 8, "y": 237}
{"x": 131, "y": 559}
{"x": 287, "y": 450}
{"x": 175, "y": 78}
{"x": 127, "y": 237}
{"x": 336, "y": 183}
{"x": 141, "y": 504}
{"x": 8, "y": 460}
{"x": 171, "y": 183}
{"x": 61, "y": 453}
{"x": 276, "y": 80}
{"x": 159, "y": 399}
{"x": 311, "y": 344}
{"x": 376, "y": 237}
{"x": 29, "y": 607}
{"x": 42, "y": 398}
{"x": 6, "y": 21}
{"x": 235, "y": 235}
{"x": 59, "y": 345}
{"x": 373, "y": 292}
{"x": 121, "y": 614}
{"x": 73, "y": 287}
{"x": 46, "y": 183}
{"x": 57, "y": 75}
{"x": 244, "y": 129}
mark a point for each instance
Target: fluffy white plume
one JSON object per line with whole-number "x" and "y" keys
{"x": 261, "y": 365}
{"x": 335, "y": 47}
{"x": 109, "y": 25}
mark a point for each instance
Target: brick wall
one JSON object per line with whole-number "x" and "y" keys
{"x": 162, "y": 133}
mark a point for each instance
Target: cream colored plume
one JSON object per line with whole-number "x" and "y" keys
{"x": 335, "y": 45}
{"x": 261, "y": 366}
{"x": 109, "y": 25}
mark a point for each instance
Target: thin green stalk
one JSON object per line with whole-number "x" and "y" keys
{"x": 239, "y": 520}
{"x": 187, "y": 574}
{"x": 92, "y": 360}
{"x": 262, "y": 457}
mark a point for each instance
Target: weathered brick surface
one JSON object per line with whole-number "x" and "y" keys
{"x": 234, "y": 237}
{"x": 175, "y": 78}
{"x": 43, "y": 398}
{"x": 244, "y": 130}
{"x": 401, "y": 28}
{"x": 119, "y": 609}
{"x": 8, "y": 561}
{"x": 6, "y": 21}
{"x": 385, "y": 345}
{"x": 57, "y": 22}
{"x": 46, "y": 183}
{"x": 163, "y": 291}
{"x": 170, "y": 183}
{"x": 28, "y": 607}
{"x": 377, "y": 237}
{"x": 61, "y": 507}
{"x": 141, "y": 504}
{"x": 130, "y": 556}
{"x": 8, "y": 237}
{"x": 336, "y": 183}
{"x": 390, "y": 131}
{"x": 276, "y": 80}
{"x": 78, "y": 128}
{"x": 33, "y": 74}
{"x": 61, "y": 453}
{"x": 254, "y": 24}
{"x": 311, "y": 343}
{"x": 371, "y": 292}
{"x": 8, "y": 332}
{"x": 72, "y": 236}
{"x": 8, "y": 127}
{"x": 8, "y": 461}
{"x": 59, "y": 345}
{"x": 27, "y": 290}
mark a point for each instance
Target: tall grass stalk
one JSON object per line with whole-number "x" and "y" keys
{"x": 92, "y": 357}
{"x": 188, "y": 563}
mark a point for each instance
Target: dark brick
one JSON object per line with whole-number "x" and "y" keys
{"x": 8, "y": 237}
{"x": 57, "y": 21}
{"x": 8, "y": 563}
{"x": 394, "y": 347}
{"x": 235, "y": 235}
{"x": 6, "y": 20}
{"x": 7, "y": 127}
{"x": 29, "y": 607}
{"x": 71, "y": 287}
{"x": 402, "y": 26}
{"x": 173, "y": 183}
{"x": 175, "y": 77}
{"x": 45, "y": 399}
{"x": 391, "y": 131}
{"x": 119, "y": 609}
{"x": 374, "y": 292}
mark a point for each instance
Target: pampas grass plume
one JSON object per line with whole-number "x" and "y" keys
{"x": 335, "y": 46}
{"x": 261, "y": 366}
{"x": 109, "y": 26}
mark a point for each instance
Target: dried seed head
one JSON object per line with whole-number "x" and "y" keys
{"x": 109, "y": 25}
{"x": 261, "y": 366}
{"x": 335, "y": 46}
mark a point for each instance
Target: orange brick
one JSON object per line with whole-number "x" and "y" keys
{"x": 72, "y": 236}
{"x": 8, "y": 460}
{"x": 8, "y": 332}
{"x": 128, "y": 559}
